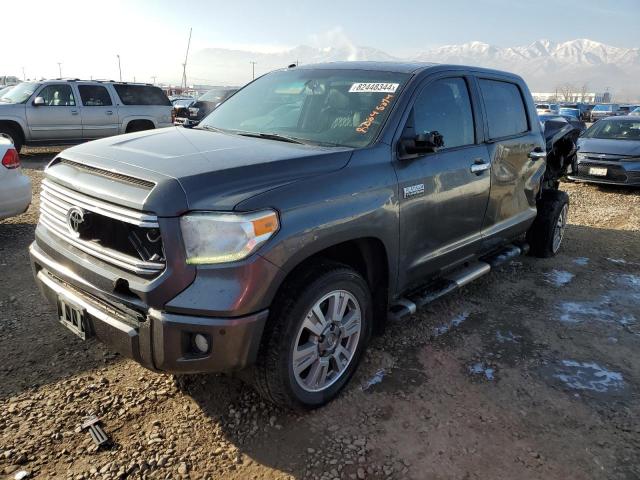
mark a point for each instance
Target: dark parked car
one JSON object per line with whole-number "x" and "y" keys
{"x": 284, "y": 230}
{"x": 609, "y": 152}
{"x": 625, "y": 110}
{"x": 572, "y": 120}
{"x": 584, "y": 109}
{"x": 603, "y": 110}
{"x": 192, "y": 115}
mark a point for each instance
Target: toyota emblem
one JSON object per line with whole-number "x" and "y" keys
{"x": 75, "y": 218}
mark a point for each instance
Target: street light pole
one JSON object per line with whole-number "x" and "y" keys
{"x": 253, "y": 70}
{"x": 119, "y": 68}
{"x": 60, "y": 69}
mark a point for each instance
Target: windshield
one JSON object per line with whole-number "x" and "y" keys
{"x": 20, "y": 93}
{"x": 602, "y": 108}
{"x": 574, "y": 112}
{"x": 324, "y": 107}
{"x": 544, "y": 106}
{"x": 215, "y": 96}
{"x": 615, "y": 130}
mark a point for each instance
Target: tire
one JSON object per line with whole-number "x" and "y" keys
{"x": 274, "y": 375}
{"x": 546, "y": 234}
{"x": 139, "y": 126}
{"x": 14, "y": 134}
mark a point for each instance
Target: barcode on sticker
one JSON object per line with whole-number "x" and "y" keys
{"x": 374, "y": 87}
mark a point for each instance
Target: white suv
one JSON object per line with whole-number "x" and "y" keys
{"x": 71, "y": 111}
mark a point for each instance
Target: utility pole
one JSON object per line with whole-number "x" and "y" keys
{"x": 253, "y": 70}
{"x": 184, "y": 65}
{"x": 154, "y": 79}
{"x": 60, "y": 69}
{"x": 24, "y": 77}
{"x": 119, "y": 68}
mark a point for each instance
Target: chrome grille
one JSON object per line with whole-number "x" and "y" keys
{"x": 55, "y": 203}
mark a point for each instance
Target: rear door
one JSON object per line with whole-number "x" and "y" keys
{"x": 513, "y": 132}
{"x": 443, "y": 195}
{"x": 59, "y": 117}
{"x": 99, "y": 114}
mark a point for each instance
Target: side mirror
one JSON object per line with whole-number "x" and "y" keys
{"x": 421, "y": 144}
{"x": 38, "y": 102}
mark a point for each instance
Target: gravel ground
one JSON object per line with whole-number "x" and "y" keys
{"x": 531, "y": 372}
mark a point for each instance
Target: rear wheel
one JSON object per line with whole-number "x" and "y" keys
{"x": 139, "y": 126}
{"x": 13, "y": 134}
{"x": 318, "y": 330}
{"x": 547, "y": 232}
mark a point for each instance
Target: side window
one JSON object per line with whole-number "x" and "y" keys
{"x": 506, "y": 113}
{"x": 58, "y": 96}
{"x": 94, "y": 96}
{"x": 141, "y": 95}
{"x": 444, "y": 106}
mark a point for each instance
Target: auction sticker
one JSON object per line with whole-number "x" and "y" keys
{"x": 374, "y": 87}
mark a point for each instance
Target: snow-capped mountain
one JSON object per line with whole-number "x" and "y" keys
{"x": 545, "y": 65}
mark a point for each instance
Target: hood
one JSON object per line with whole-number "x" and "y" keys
{"x": 213, "y": 171}
{"x": 629, "y": 148}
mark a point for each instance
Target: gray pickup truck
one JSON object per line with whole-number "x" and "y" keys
{"x": 61, "y": 112}
{"x": 308, "y": 209}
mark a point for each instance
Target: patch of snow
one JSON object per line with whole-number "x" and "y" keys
{"x": 582, "y": 261}
{"x": 559, "y": 277}
{"x": 454, "y": 322}
{"x": 377, "y": 378}
{"x": 480, "y": 368}
{"x": 589, "y": 376}
{"x": 508, "y": 336}
{"x": 600, "y": 310}
{"x": 620, "y": 261}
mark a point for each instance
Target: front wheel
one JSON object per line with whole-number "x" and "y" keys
{"x": 317, "y": 332}
{"x": 547, "y": 232}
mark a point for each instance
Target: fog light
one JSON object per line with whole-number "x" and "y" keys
{"x": 201, "y": 343}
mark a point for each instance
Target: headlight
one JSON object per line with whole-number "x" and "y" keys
{"x": 582, "y": 156}
{"x": 211, "y": 237}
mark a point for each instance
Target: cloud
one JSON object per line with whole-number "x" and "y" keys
{"x": 335, "y": 38}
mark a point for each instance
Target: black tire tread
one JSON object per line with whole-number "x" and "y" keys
{"x": 14, "y": 134}
{"x": 540, "y": 234}
{"x": 265, "y": 377}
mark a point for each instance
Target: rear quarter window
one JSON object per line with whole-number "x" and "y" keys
{"x": 141, "y": 95}
{"x": 504, "y": 106}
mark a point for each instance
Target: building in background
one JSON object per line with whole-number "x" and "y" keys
{"x": 572, "y": 97}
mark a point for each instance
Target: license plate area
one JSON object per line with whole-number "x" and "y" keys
{"x": 73, "y": 316}
{"x": 598, "y": 171}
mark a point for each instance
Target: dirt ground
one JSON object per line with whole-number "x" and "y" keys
{"x": 532, "y": 372}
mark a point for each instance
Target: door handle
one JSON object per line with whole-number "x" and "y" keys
{"x": 480, "y": 166}
{"x": 109, "y": 112}
{"x": 537, "y": 154}
{"x": 74, "y": 112}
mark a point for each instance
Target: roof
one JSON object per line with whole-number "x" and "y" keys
{"x": 400, "y": 67}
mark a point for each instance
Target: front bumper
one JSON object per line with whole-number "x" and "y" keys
{"x": 618, "y": 173}
{"x": 185, "y": 122}
{"x": 158, "y": 340}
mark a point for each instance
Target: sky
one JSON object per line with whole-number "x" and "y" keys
{"x": 151, "y": 35}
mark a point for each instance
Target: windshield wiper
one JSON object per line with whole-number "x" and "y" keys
{"x": 272, "y": 136}
{"x": 210, "y": 128}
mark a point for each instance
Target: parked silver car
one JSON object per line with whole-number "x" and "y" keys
{"x": 15, "y": 188}
{"x": 71, "y": 111}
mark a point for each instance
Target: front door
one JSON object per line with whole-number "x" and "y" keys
{"x": 58, "y": 118}
{"x": 99, "y": 115}
{"x": 443, "y": 195}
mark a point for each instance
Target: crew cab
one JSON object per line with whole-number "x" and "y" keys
{"x": 304, "y": 212}
{"x": 60, "y": 112}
